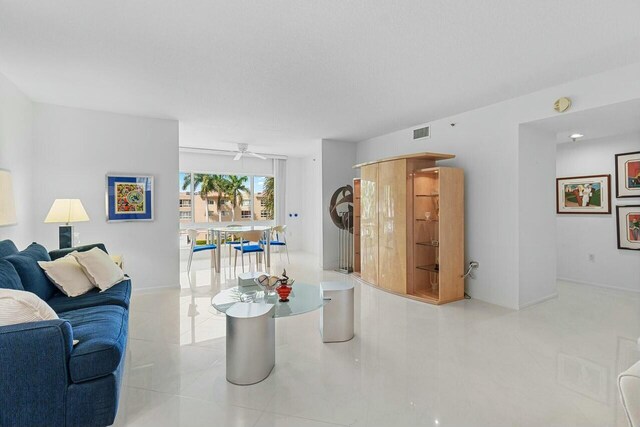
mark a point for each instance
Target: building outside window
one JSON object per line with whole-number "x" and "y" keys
{"x": 210, "y": 197}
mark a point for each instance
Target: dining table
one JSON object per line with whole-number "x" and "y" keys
{"x": 219, "y": 234}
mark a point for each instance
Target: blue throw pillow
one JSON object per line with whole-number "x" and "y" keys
{"x": 9, "y": 278}
{"x": 32, "y": 277}
{"x": 7, "y": 247}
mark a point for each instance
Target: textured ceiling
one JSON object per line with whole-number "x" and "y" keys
{"x": 278, "y": 73}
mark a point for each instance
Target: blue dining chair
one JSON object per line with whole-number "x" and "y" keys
{"x": 245, "y": 247}
{"x": 278, "y": 234}
{"x": 193, "y": 248}
{"x": 234, "y": 239}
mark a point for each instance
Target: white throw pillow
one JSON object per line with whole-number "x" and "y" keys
{"x": 22, "y": 307}
{"x": 67, "y": 275}
{"x": 99, "y": 268}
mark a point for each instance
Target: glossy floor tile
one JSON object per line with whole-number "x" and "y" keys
{"x": 410, "y": 364}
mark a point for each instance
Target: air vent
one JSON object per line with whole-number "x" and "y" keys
{"x": 421, "y": 133}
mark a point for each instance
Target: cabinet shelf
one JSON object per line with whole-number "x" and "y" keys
{"x": 431, "y": 267}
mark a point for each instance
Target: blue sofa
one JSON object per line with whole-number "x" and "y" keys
{"x": 44, "y": 379}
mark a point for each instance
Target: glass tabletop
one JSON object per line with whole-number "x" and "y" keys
{"x": 241, "y": 228}
{"x": 302, "y": 299}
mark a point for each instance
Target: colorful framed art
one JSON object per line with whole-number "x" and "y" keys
{"x": 583, "y": 194}
{"x": 129, "y": 197}
{"x": 628, "y": 221}
{"x": 628, "y": 174}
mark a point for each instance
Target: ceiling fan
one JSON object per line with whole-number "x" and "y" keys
{"x": 244, "y": 149}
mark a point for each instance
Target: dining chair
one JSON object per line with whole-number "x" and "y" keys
{"x": 245, "y": 247}
{"x": 234, "y": 239}
{"x": 193, "y": 248}
{"x": 279, "y": 238}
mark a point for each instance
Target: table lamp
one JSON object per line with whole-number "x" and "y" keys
{"x": 7, "y": 203}
{"x": 66, "y": 211}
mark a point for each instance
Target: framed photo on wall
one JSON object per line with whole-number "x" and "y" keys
{"x": 583, "y": 194}
{"x": 628, "y": 174}
{"x": 628, "y": 221}
{"x": 129, "y": 197}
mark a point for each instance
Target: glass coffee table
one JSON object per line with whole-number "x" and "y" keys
{"x": 251, "y": 314}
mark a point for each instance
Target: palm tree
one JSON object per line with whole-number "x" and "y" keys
{"x": 236, "y": 189}
{"x": 268, "y": 196}
{"x": 209, "y": 183}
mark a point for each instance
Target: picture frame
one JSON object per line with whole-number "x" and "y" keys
{"x": 628, "y": 174}
{"x": 129, "y": 197}
{"x": 589, "y": 194}
{"x": 628, "y": 227}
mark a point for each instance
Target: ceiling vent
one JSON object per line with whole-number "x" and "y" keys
{"x": 421, "y": 133}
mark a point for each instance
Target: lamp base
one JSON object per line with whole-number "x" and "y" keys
{"x": 65, "y": 236}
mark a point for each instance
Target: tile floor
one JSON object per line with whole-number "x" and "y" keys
{"x": 410, "y": 364}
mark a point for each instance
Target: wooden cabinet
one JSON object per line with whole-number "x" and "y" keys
{"x": 438, "y": 234}
{"x": 412, "y": 227}
{"x": 356, "y": 225}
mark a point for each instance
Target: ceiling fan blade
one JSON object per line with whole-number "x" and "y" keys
{"x": 238, "y": 156}
{"x": 260, "y": 156}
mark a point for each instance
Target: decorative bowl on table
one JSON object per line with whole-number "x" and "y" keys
{"x": 267, "y": 283}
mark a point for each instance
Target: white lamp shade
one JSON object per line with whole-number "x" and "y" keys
{"x": 67, "y": 210}
{"x": 7, "y": 202}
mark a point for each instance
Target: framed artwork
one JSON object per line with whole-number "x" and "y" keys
{"x": 583, "y": 194}
{"x": 129, "y": 197}
{"x": 628, "y": 227}
{"x": 628, "y": 174}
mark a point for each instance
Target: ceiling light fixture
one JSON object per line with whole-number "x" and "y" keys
{"x": 575, "y": 136}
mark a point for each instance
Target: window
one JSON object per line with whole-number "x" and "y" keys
{"x": 264, "y": 200}
{"x": 210, "y": 197}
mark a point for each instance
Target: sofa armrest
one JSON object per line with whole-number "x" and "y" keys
{"x": 59, "y": 253}
{"x": 34, "y": 372}
{"x": 629, "y": 385}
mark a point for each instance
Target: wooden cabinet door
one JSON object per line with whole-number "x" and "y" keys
{"x": 369, "y": 223}
{"x": 392, "y": 225}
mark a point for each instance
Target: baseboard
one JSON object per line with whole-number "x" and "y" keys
{"x": 539, "y": 300}
{"x": 598, "y": 285}
{"x": 155, "y": 289}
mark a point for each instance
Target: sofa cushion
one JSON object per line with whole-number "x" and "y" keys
{"x": 102, "y": 335}
{"x": 101, "y": 270}
{"x": 9, "y": 278}
{"x": 116, "y": 295}
{"x": 59, "y": 253}
{"x": 31, "y": 275}
{"x": 67, "y": 275}
{"x": 7, "y": 247}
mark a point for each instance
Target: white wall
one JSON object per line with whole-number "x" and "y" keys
{"x": 536, "y": 202}
{"x": 75, "y": 148}
{"x": 581, "y": 235}
{"x": 312, "y": 202}
{"x": 16, "y": 155}
{"x": 486, "y": 144}
{"x": 338, "y": 158}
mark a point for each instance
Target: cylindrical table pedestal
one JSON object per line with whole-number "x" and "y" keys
{"x": 251, "y": 342}
{"x": 337, "y": 317}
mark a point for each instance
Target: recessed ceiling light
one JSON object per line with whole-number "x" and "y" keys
{"x": 575, "y": 136}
